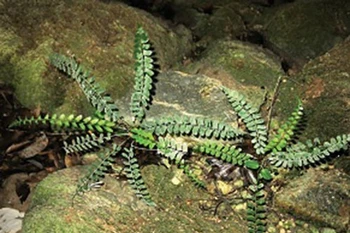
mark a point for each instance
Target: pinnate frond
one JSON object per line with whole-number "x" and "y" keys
{"x": 191, "y": 175}
{"x": 134, "y": 177}
{"x": 286, "y": 131}
{"x": 70, "y": 122}
{"x": 143, "y": 138}
{"x": 172, "y": 149}
{"x": 144, "y": 71}
{"x": 251, "y": 117}
{"x": 192, "y": 126}
{"x": 302, "y": 155}
{"x": 98, "y": 170}
{"x": 227, "y": 153}
{"x": 86, "y": 143}
{"x": 93, "y": 92}
{"x": 256, "y": 209}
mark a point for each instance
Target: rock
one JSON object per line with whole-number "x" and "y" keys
{"x": 241, "y": 66}
{"x": 320, "y": 197}
{"x": 10, "y": 220}
{"x": 212, "y": 20}
{"x": 326, "y": 86}
{"x": 247, "y": 64}
{"x": 114, "y": 208}
{"x": 179, "y": 93}
{"x": 310, "y": 34}
{"x": 100, "y": 35}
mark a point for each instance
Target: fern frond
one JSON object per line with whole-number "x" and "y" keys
{"x": 256, "y": 209}
{"x": 134, "y": 177}
{"x": 93, "y": 92}
{"x": 68, "y": 122}
{"x": 227, "y": 153}
{"x": 251, "y": 117}
{"x": 86, "y": 143}
{"x": 98, "y": 170}
{"x": 144, "y": 71}
{"x": 192, "y": 126}
{"x": 143, "y": 138}
{"x": 172, "y": 149}
{"x": 175, "y": 151}
{"x": 301, "y": 155}
{"x": 286, "y": 131}
{"x": 190, "y": 174}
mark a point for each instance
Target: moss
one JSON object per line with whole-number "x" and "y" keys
{"x": 245, "y": 63}
{"x": 33, "y": 87}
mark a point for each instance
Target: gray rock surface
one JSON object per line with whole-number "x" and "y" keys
{"x": 322, "y": 197}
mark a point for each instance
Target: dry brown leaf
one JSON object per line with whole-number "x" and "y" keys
{"x": 38, "y": 145}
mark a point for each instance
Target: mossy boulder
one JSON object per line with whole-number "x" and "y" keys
{"x": 320, "y": 197}
{"x": 302, "y": 32}
{"x": 326, "y": 92}
{"x": 114, "y": 208}
{"x": 98, "y": 34}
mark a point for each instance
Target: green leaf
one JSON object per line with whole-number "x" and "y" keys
{"x": 251, "y": 164}
{"x": 265, "y": 174}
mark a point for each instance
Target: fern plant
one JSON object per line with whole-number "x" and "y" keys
{"x": 108, "y": 133}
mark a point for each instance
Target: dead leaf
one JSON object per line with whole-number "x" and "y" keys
{"x": 38, "y": 144}
{"x": 54, "y": 157}
{"x": 17, "y": 146}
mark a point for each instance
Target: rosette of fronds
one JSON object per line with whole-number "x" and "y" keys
{"x": 133, "y": 174}
{"x": 310, "y": 153}
{"x": 256, "y": 209}
{"x": 93, "y": 92}
{"x": 251, "y": 118}
{"x": 98, "y": 170}
{"x": 144, "y": 71}
{"x": 286, "y": 131}
{"x": 192, "y": 126}
{"x": 71, "y": 122}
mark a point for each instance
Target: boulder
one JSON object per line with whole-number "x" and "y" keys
{"x": 319, "y": 197}
{"x": 98, "y": 34}
{"x": 115, "y": 208}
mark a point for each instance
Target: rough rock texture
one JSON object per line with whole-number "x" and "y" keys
{"x": 178, "y": 93}
{"x": 326, "y": 86}
{"x": 322, "y": 197}
{"x": 211, "y": 20}
{"x": 301, "y": 32}
{"x": 246, "y": 63}
{"x": 100, "y": 35}
{"x": 114, "y": 208}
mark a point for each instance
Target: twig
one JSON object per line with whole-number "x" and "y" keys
{"x": 273, "y": 101}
